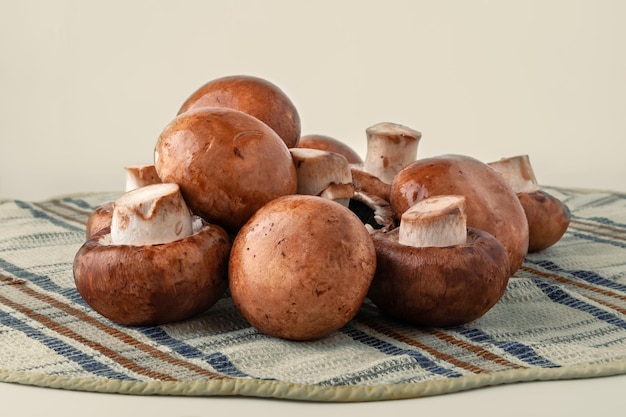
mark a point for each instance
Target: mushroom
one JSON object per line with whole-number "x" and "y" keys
{"x": 227, "y": 163}
{"x": 328, "y": 143}
{"x": 167, "y": 267}
{"x": 435, "y": 271}
{"x": 491, "y": 204}
{"x": 323, "y": 173}
{"x": 548, "y": 217}
{"x": 300, "y": 268}
{"x": 138, "y": 175}
{"x": 390, "y": 147}
{"x": 255, "y": 96}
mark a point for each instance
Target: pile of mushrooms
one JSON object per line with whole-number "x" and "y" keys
{"x": 300, "y": 230}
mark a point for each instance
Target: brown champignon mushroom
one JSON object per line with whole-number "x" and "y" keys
{"x": 137, "y": 176}
{"x": 227, "y": 163}
{"x": 99, "y": 218}
{"x": 300, "y": 268}
{"x": 328, "y": 143}
{"x": 390, "y": 147}
{"x": 548, "y": 217}
{"x": 255, "y": 96}
{"x": 434, "y": 271}
{"x": 155, "y": 283}
{"x": 140, "y": 175}
{"x": 491, "y": 204}
{"x": 323, "y": 173}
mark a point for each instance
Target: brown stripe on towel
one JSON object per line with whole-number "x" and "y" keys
{"x": 582, "y": 285}
{"x": 477, "y": 350}
{"x": 124, "y": 337}
{"x": 65, "y": 331}
{"x": 595, "y": 229}
{"x": 382, "y": 329}
{"x": 441, "y": 335}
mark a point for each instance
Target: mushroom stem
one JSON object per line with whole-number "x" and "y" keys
{"x": 437, "y": 221}
{"x": 517, "y": 172}
{"x": 323, "y": 173}
{"x": 390, "y": 147}
{"x": 150, "y": 215}
{"x": 140, "y": 175}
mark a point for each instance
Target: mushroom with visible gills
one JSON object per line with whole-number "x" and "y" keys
{"x": 433, "y": 270}
{"x": 548, "y": 217}
{"x": 151, "y": 267}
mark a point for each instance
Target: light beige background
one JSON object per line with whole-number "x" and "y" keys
{"x": 87, "y": 86}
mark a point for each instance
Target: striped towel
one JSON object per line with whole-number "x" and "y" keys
{"x": 563, "y": 316}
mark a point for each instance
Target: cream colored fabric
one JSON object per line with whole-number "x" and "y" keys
{"x": 563, "y": 316}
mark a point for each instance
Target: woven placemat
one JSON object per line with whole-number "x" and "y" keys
{"x": 563, "y": 316}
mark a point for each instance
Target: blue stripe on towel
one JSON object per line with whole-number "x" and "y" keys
{"x": 598, "y": 239}
{"x": 588, "y": 276}
{"x": 558, "y": 295}
{"x": 217, "y": 360}
{"x": 40, "y": 214}
{"x": 42, "y": 281}
{"x": 518, "y": 350}
{"x": 389, "y": 349}
{"x": 84, "y": 360}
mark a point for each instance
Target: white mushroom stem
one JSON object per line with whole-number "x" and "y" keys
{"x": 438, "y": 221}
{"x": 150, "y": 215}
{"x": 323, "y": 173}
{"x": 517, "y": 172}
{"x": 140, "y": 175}
{"x": 390, "y": 147}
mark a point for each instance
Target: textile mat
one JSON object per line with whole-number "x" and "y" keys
{"x": 562, "y": 316}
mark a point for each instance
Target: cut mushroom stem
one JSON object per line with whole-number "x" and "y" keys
{"x": 517, "y": 172}
{"x": 140, "y": 175}
{"x": 323, "y": 173}
{"x": 390, "y": 147}
{"x": 150, "y": 215}
{"x": 438, "y": 221}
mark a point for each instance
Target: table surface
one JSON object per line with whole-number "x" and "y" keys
{"x": 542, "y": 398}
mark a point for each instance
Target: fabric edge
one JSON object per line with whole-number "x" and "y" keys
{"x": 312, "y": 393}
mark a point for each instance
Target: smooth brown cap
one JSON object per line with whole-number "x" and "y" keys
{"x": 328, "y": 143}
{"x": 153, "y": 284}
{"x": 227, "y": 163}
{"x": 255, "y": 96}
{"x": 300, "y": 268}
{"x": 548, "y": 219}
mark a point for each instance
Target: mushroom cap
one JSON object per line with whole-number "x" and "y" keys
{"x": 491, "y": 204}
{"x": 227, "y": 163}
{"x": 548, "y": 219}
{"x": 328, "y": 143}
{"x": 153, "y": 284}
{"x": 300, "y": 268}
{"x": 438, "y": 286}
{"x": 255, "y": 96}
{"x": 99, "y": 219}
